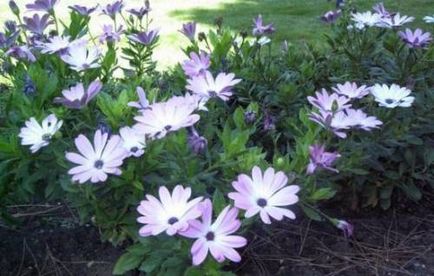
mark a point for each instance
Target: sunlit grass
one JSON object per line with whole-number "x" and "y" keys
{"x": 295, "y": 20}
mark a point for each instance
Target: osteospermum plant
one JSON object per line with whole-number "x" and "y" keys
{"x": 183, "y": 164}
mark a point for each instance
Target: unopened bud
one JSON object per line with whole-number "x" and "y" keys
{"x": 249, "y": 117}
{"x": 14, "y": 7}
{"x": 196, "y": 142}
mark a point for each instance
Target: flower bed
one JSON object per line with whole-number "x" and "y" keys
{"x": 181, "y": 164}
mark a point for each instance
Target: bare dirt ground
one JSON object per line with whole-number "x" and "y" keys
{"x": 394, "y": 242}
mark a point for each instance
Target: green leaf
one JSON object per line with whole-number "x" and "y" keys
{"x": 218, "y": 201}
{"x": 412, "y": 191}
{"x": 323, "y": 193}
{"x": 239, "y": 118}
{"x": 127, "y": 262}
{"x": 311, "y": 213}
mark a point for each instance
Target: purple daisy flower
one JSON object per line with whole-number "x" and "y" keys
{"x": 189, "y": 30}
{"x": 319, "y": 158}
{"x": 265, "y": 194}
{"x": 331, "y": 16}
{"x": 164, "y": 117}
{"x": 197, "y": 64}
{"x": 37, "y": 24}
{"x": 85, "y": 11}
{"x": 216, "y": 237}
{"x": 42, "y": 5}
{"x": 207, "y": 87}
{"x": 170, "y": 214}
{"x": 113, "y": 9}
{"x": 259, "y": 29}
{"x": 416, "y": 39}
{"x": 21, "y": 52}
{"x": 145, "y": 38}
{"x": 110, "y": 34}
{"x": 142, "y": 11}
{"x": 96, "y": 161}
{"x": 77, "y": 97}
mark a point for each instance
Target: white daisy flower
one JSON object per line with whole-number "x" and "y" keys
{"x": 365, "y": 19}
{"x": 429, "y": 19}
{"x": 54, "y": 45}
{"x": 37, "y": 135}
{"x": 80, "y": 57}
{"x": 133, "y": 141}
{"x": 392, "y": 96}
{"x": 394, "y": 21}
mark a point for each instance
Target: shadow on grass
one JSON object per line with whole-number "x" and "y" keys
{"x": 294, "y": 20}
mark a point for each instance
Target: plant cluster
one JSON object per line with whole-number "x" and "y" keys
{"x": 88, "y": 118}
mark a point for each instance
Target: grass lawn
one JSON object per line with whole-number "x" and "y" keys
{"x": 295, "y": 20}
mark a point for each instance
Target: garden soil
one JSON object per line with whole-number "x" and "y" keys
{"x": 394, "y": 242}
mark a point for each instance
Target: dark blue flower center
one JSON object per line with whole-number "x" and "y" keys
{"x": 389, "y": 101}
{"x": 98, "y": 164}
{"x": 46, "y": 137}
{"x": 172, "y": 220}
{"x": 134, "y": 149}
{"x": 212, "y": 94}
{"x": 210, "y": 236}
{"x": 262, "y": 202}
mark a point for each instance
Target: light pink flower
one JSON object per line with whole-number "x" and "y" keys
{"x": 171, "y": 213}
{"x": 345, "y": 120}
{"x": 95, "y": 161}
{"x": 264, "y": 194}
{"x": 77, "y": 96}
{"x": 164, "y": 117}
{"x": 143, "y": 102}
{"x": 208, "y": 87}
{"x": 215, "y": 237}
{"x": 351, "y": 90}
{"x": 327, "y": 102}
{"x": 197, "y": 64}
{"x": 319, "y": 158}
{"x": 416, "y": 39}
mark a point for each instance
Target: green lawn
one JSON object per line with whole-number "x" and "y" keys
{"x": 295, "y": 20}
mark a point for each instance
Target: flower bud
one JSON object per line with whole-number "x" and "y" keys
{"x": 269, "y": 122}
{"x": 346, "y": 227}
{"x": 202, "y": 36}
{"x": 196, "y": 143}
{"x": 14, "y": 7}
{"x": 219, "y": 22}
{"x": 11, "y": 26}
{"x": 249, "y": 117}
{"x": 29, "y": 87}
{"x": 105, "y": 128}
